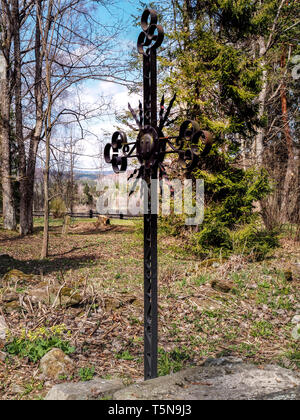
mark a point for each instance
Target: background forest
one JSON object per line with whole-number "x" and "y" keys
{"x": 229, "y": 287}
{"x": 234, "y": 68}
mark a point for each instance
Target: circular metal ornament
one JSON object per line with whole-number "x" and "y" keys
{"x": 111, "y": 152}
{"x": 188, "y": 159}
{"x": 147, "y": 145}
{"x": 119, "y": 139}
{"x": 189, "y": 142}
{"x": 187, "y": 131}
{"x": 207, "y": 140}
{"x": 145, "y": 19}
{"x": 152, "y": 32}
{"x": 107, "y": 153}
{"x": 119, "y": 164}
{"x": 147, "y": 38}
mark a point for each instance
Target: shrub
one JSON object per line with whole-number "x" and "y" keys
{"x": 35, "y": 345}
{"x": 230, "y": 194}
{"x": 256, "y": 243}
{"x": 173, "y": 225}
{"x": 214, "y": 235}
{"x": 58, "y": 208}
{"x": 217, "y": 240}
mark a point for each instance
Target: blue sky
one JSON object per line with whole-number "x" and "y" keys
{"x": 119, "y": 95}
{"x": 124, "y": 9}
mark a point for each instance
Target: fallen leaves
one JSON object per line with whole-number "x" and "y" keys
{"x": 106, "y": 270}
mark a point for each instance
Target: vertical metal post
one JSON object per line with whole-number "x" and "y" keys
{"x": 150, "y": 228}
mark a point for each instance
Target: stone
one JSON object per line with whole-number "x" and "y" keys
{"x": 17, "y": 389}
{"x": 216, "y": 265}
{"x": 56, "y": 364}
{"x": 49, "y": 295}
{"x": 10, "y": 297}
{"x": 222, "y": 361}
{"x": 296, "y": 320}
{"x": 296, "y": 332}
{"x": 289, "y": 395}
{"x": 209, "y": 262}
{"x": 3, "y": 329}
{"x": 69, "y": 297}
{"x": 224, "y": 379}
{"x": 113, "y": 303}
{"x": 222, "y": 286}
{"x": 10, "y": 307}
{"x": 17, "y": 276}
{"x": 41, "y": 293}
{"x": 96, "y": 389}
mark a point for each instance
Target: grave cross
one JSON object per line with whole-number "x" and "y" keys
{"x": 150, "y": 149}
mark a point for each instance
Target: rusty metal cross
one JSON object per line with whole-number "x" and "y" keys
{"x": 150, "y": 149}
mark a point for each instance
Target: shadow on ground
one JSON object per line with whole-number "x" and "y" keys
{"x": 48, "y": 266}
{"x": 83, "y": 231}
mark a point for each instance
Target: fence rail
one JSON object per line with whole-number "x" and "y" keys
{"x": 91, "y": 215}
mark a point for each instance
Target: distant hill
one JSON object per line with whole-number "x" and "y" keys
{"x": 91, "y": 176}
{"x": 79, "y": 175}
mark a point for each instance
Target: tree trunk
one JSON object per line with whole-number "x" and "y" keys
{"x": 9, "y": 213}
{"x": 26, "y": 221}
{"x": 289, "y": 191}
{"x": 72, "y": 180}
{"x": 285, "y": 114}
{"x": 19, "y": 118}
{"x": 48, "y": 130}
{"x": 45, "y": 247}
{"x": 259, "y": 141}
{"x": 27, "y": 197}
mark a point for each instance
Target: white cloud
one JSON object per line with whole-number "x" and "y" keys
{"x": 99, "y": 127}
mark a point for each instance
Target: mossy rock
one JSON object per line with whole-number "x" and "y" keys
{"x": 48, "y": 295}
{"x": 70, "y": 297}
{"x": 210, "y": 262}
{"x": 222, "y": 286}
{"x": 17, "y": 276}
{"x": 113, "y": 303}
{"x": 10, "y": 297}
{"x": 55, "y": 364}
{"x": 10, "y": 307}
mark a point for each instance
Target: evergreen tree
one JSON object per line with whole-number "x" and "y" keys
{"x": 88, "y": 196}
{"x": 216, "y": 62}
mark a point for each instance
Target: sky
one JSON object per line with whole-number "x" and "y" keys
{"x": 118, "y": 94}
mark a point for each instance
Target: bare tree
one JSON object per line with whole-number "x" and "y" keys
{"x": 9, "y": 214}
{"x": 56, "y": 45}
{"x": 67, "y": 58}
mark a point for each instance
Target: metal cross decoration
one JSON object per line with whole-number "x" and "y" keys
{"x": 150, "y": 148}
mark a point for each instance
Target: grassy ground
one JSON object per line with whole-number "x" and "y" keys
{"x": 251, "y": 320}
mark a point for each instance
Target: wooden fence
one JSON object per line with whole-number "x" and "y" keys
{"x": 91, "y": 215}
